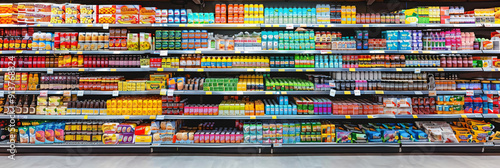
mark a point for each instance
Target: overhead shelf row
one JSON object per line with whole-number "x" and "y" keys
{"x": 166, "y": 52}
{"x": 263, "y": 117}
{"x": 255, "y": 26}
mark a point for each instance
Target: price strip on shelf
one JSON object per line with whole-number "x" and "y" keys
{"x": 164, "y": 53}
{"x": 489, "y": 144}
{"x": 67, "y": 93}
{"x": 417, "y": 70}
{"x": 115, "y": 93}
{"x": 239, "y": 93}
{"x": 289, "y": 26}
{"x": 2, "y": 93}
{"x": 105, "y": 26}
{"x": 399, "y": 69}
{"x": 79, "y": 93}
{"x": 418, "y": 93}
{"x": 379, "y": 92}
{"x": 357, "y": 93}
{"x": 43, "y": 93}
{"x": 160, "y": 117}
{"x": 50, "y": 71}
{"x": 170, "y": 92}
{"x": 116, "y": 52}
{"x": 277, "y": 144}
{"x": 163, "y": 92}
{"x": 325, "y": 52}
{"x": 469, "y": 93}
{"x": 377, "y": 51}
{"x": 432, "y": 93}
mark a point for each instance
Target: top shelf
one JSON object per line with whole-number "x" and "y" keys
{"x": 255, "y": 26}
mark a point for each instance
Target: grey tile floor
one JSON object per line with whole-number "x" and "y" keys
{"x": 253, "y": 161}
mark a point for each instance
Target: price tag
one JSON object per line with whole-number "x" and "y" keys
{"x": 81, "y": 70}
{"x": 377, "y": 51}
{"x": 260, "y": 70}
{"x": 200, "y": 70}
{"x": 115, "y": 93}
{"x": 276, "y": 25}
{"x": 164, "y": 53}
{"x": 369, "y": 116}
{"x": 208, "y": 93}
{"x": 116, "y": 52}
{"x": 197, "y": 52}
{"x": 67, "y": 93}
{"x": 488, "y": 25}
{"x": 79, "y": 52}
{"x": 357, "y": 93}
{"x": 105, "y": 26}
{"x": 155, "y": 144}
{"x": 43, "y": 93}
{"x": 299, "y": 70}
{"x": 237, "y": 52}
{"x": 79, "y": 93}
{"x": 170, "y": 92}
{"x": 365, "y": 25}
{"x": 463, "y": 116}
{"x": 417, "y": 70}
{"x": 289, "y": 26}
{"x": 347, "y": 92}
{"x": 333, "y": 92}
{"x": 352, "y": 69}
{"x": 498, "y": 115}
{"x": 331, "y": 83}
{"x": 303, "y": 25}
{"x": 112, "y": 70}
{"x": 325, "y": 52}
{"x": 399, "y": 69}
{"x": 277, "y": 145}
{"x": 268, "y": 93}
{"x": 152, "y": 117}
{"x": 160, "y": 117}
{"x": 281, "y": 70}
{"x": 321, "y": 25}
{"x": 267, "y": 25}
{"x": 309, "y": 70}
{"x": 19, "y": 51}
{"x": 159, "y": 69}
{"x": 50, "y": 71}
{"x": 2, "y": 93}
{"x": 414, "y": 52}
{"x": 283, "y": 93}
{"x": 469, "y": 93}
{"x": 432, "y": 93}
{"x": 37, "y": 52}
{"x": 47, "y": 52}
{"x": 347, "y": 116}
{"x": 86, "y": 117}
{"x": 182, "y": 25}
{"x": 418, "y": 93}
{"x": 252, "y": 117}
{"x": 415, "y": 116}
{"x": 163, "y": 92}
{"x": 239, "y": 92}
{"x": 180, "y": 69}
{"x": 90, "y": 25}
{"x": 126, "y": 117}
{"x": 273, "y": 117}
{"x": 379, "y": 92}
{"x": 489, "y": 144}
{"x": 440, "y": 69}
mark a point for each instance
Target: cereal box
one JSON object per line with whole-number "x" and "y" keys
{"x": 107, "y": 9}
{"x": 72, "y": 18}
{"x": 127, "y": 19}
{"x": 58, "y": 9}
{"x": 88, "y": 9}
{"x": 43, "y": 7}
{"x": 72, "y": 9}
{"x": 128, "y": 9}
{"x": 106, "y": 18}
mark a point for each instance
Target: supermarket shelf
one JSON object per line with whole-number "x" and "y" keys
{"x": 233, "y": 26}
{"x": 85, "y": 117}
{"x": 336, "y": 148}
{"x": 491, "y": 51}
{"x": 404, "y": 92}
{"x": 208, "y": 117}
{"x": 439, "y": 116}
{"x": 491, "y": 115}
{"x": 68, "y": 145}
{"x": 248, "y": 69}
{"x": 308, "y": 117}
{"x": 338, "y": 25}
{"x": 212, "y": 148}
{"x": 450, "y": 25}
{"x": 49, "y": 92}
{"x": 251, "y": 92}
{"x": 212, "y": 145}
{"x": 81, "y": 148}
{"x": 432, "y": 147}
{"x": 495, "y": 92}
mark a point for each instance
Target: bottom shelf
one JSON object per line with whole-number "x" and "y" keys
{"x": 404, "y": 147}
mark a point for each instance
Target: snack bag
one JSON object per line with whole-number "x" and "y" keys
{"x": 31, "y": 134}
{"x": 40, "y": 134}
{"x": 59, "y": 132}
{"x": 23, "y": 135}
{"x": 49, "y": 133}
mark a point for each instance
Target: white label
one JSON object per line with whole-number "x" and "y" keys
{"x": 289, "y": 26}
{"x": 164, "y": 53}
{"x": 43, "y": 93}
{"x": 357, "y": 93}
{"x": 2, "y": 93}
{"x": 377, "y": 51}
{"x": 260, "y": 70}
{"x": 163, "y": 92}
{"x": 160, "y": 117}
{"x": 239, "y": 92}
{"x": 277, "y": 145}
{"x": 333, "y": 92}
{"x": 418, "y": 93}
{"x": 170, "y": 92}
{"x": 116, "y": 52}
{"x": 105, "y": 26}
{"x": 488, "y": 25}
{"x": 489, "y": 144}
{"x": 79, "y": 93}
{"x": 115, "y": 93}
{"x": 67, "y": 93}
{"x": 325, "y": 52}
{"x": 469, "y": 93}
{"x": 50, "y": 71}
{"x": 417, "y": 70}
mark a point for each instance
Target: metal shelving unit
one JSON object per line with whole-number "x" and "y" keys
{"x": 336, "y": 147}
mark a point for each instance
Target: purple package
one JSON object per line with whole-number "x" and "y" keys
{"x": 126, "y": 138}
{"x": 125, "y": 128}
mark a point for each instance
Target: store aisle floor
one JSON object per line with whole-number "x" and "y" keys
{"x": 252, "y": 161}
